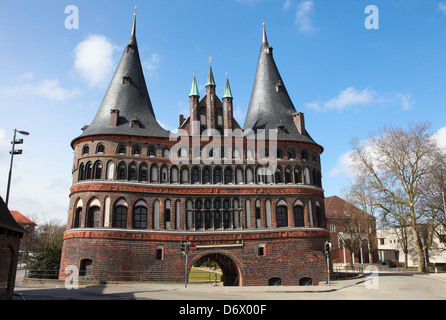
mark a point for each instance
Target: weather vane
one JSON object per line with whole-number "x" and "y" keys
{"x": 135, "y": 11}
{"x": 210, "y": 60}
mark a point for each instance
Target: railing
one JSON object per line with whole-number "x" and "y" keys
{"x": 195, "y": 275}
{"x": 346, "y": 272}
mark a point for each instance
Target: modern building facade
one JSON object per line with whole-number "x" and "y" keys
{"x": 249, "y": 197}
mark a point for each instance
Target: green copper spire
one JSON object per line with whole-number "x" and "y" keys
{"x": 194, "y": 88}
{"x": 210, "y": 81}
{"x": 227, "y": 93}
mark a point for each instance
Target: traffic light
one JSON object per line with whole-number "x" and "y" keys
{"x": 183, "y": 247}
{"x": 327, "y": 247}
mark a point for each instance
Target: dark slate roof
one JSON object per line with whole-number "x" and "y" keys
{"x": 132, "y": 100}
{"x": 6, "y": 219}
{"x": 270, "y": 105}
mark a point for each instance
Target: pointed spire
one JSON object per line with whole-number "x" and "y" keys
{"x": 264, "y": 39}
{"x": 227, "y": 93}
{"x": 134, "y": 23}
{"x": 210, "y": 81}
{"x": 126, "y": 96}
{"x": 194, "y": 88}
{"x": 270, "y": 106}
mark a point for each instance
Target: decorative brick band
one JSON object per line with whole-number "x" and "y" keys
{"x": 183, "y": 236}
{"x": 193, "y": 189}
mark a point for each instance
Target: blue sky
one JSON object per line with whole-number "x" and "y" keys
{"x": 349, "y": 81}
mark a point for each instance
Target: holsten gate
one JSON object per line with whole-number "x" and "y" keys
{"x": 250, "y": 198}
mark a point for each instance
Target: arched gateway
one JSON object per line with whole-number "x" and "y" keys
{"x": 250, "y": 198}
{"x": 229, "y": 268}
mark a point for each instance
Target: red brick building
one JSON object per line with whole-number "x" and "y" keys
{"x": 255, "y": 206}
{"x": 10, "y": 235}
{"x": 351, "y": 231}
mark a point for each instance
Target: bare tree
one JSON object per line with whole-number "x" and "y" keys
{"x": 400, "y": 163}
{"x": 363, "y": 210}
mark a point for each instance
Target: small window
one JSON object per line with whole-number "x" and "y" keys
{"x": 86, "y": 268}
{"x": 261, "y": 250}
{"x": 159, "y": 252}
{"x": 85, "y": 150}
{"x": 137, "y": 151}
{"x": 100, "y": 148}
{"x": 121, "y": 149}
{"x": 125, "y": 80}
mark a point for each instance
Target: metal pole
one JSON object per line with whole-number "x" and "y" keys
{"x": 10, "y": 168}
{"x": 328, "y": 269}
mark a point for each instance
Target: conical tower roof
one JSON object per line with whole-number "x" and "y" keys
{"x": 128, "y": 94}
{"x": 270, "y": 106}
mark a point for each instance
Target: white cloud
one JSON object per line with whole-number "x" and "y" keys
{"x": 352, "y": 97}
{"x": 49, "y": 89}
{"x": 343, "y": 165}
{"x": 442, "y": 7}
{"x": 94, "y": 60}
{"x": 287, "y": 4}
{"x": 303, "y": 16}
{"x": 152, "y": 63}
{"x": 440, "y": 138}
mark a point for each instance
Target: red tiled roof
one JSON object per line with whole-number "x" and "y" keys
{"x": 20, "y": 218}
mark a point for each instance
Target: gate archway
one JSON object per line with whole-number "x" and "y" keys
{"x": 229, "y": 268}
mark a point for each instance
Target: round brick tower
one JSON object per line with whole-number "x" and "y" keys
{"x": 250, "y": 199}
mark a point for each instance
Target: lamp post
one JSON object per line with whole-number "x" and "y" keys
{"x": 13, "y": 152}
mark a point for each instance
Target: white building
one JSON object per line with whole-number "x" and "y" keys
{"x": 391, "y": 244}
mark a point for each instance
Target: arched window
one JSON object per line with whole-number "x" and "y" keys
{"x": 249, "y": 175}
{"x": 281, "y": 216}
{"x": 120, "y": 217}
{"x": 153, "y": 173}
{"x": 239, "y": 176}
{"x": 195, "y": 175}
{"x": 132, "y": 173}
{"x": 100, "y": 148}
{"x": 93, "y": 217}
{"x": 184, "y": 175}
{"x": 278, "y": 175}
{"x": 77, "y": 218}
{"x": 228, "y": 175}
{"x": 120, "y": 149}
{"x": 297, "y": 175}
{"x": 97, "y": 170}
{"x": 143, "y": 172}
{"x": 85, "y": 150}
{"x": 198, "y": 206}
{"x": 298, "y": 212}
{"x": 121, "y": 171}
{"x": 164, "y": 174}
{"x": 81, "y": 172}
{"x": 207, "y": 214}
{"x": 166, "y": 153}
{"x": 226, "y": 214}
{"x": 167, "y": 214}
{"x": 136, "y": 150}
{"x": 288, "y": 175}
{"x": 217, "y": 175}
{"x": 174, "y": 174}
{"x": 217, "y": 214}
{"x": 140, "y": 217}
{"x": 88, "y": 170}
{"x": 110, "y": 171}
{"x": 206, "y": 176}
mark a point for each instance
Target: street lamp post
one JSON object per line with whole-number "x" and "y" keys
{"x": 13, "y": 152}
